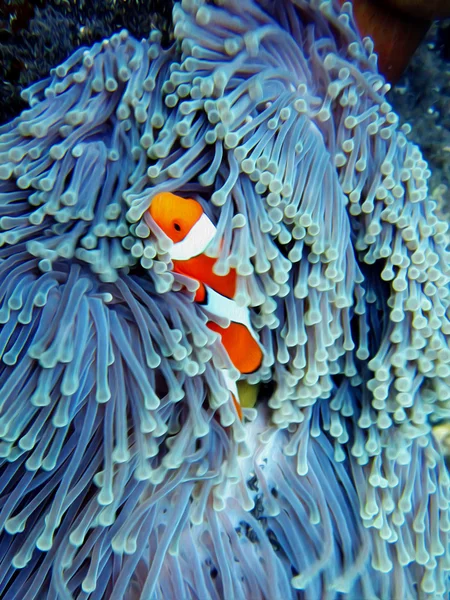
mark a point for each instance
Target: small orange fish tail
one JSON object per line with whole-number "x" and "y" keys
{"x": 237, "y": 406}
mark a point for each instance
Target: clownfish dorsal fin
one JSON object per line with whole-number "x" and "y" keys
{"x": 175, "y": 215}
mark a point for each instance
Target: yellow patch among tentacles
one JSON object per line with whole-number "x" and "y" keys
{"x": 248, "y": 393}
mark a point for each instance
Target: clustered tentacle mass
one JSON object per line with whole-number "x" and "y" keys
{"x": 125, "y": 473}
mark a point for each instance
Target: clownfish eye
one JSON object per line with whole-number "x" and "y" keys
{"x": 177, "y": 227}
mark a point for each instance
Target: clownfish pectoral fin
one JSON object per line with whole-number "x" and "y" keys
{"x": 200, "y": 294}
{"x": 201, "y": 267}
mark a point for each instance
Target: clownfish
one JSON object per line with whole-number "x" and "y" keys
{"x": 184, "y": 221}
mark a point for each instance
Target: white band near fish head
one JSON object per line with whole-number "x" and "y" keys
{"x": 196, "y": 241}
{"x": 218, "y": 305}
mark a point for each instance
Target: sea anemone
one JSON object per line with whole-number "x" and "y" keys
{"x": 126, "y": 472}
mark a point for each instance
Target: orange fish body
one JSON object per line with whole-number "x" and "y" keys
{"x": 185, "y": 223}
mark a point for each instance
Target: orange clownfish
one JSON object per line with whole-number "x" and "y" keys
{"x": 191, "y": 231}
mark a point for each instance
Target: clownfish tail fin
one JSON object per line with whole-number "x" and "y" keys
{"x": 238, "y": 407}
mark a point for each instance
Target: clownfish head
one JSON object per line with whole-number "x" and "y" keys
{"x": 175, "y": 215}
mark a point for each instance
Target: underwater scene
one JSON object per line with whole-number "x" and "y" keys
{"x": 224, "y": 300}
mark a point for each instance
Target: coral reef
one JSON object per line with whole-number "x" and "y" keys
{"x": 125, "y": 470}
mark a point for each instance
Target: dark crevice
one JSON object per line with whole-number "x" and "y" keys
{"x": 37, "y": 36}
